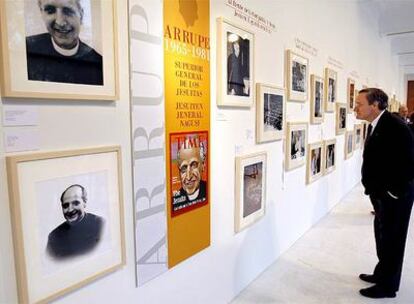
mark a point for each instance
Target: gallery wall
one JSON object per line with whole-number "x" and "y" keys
{"x": 344, "y": 33}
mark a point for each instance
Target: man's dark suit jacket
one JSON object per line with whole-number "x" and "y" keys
{"x": 388, "y": 158}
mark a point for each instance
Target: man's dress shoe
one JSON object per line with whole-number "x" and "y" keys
{"x": 376, "y": 292}
{"x": 367, "y": 278}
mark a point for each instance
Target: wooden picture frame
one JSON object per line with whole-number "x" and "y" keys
{"x": 32, "y": 64}
{"x": 349, "y": 144}
{"x": 270, "y": 113}
{"x": 351, "y": 95}
{"x": 297, "y": 75}
{"x": 235, "y": 65}
{"x": 296, "y": 144}
{"x": 52, "y": 239}
{"x": 331, "y": 86}
{"x": 341, "y": 118}
{"x": 317, "y": 99}
{"x": 358, "y": 136}
{"x": 315, "y": 162}
{"x": 329, "y": 148}
{"x": 250, "y": 189}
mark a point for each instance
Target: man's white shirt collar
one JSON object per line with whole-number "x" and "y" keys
{"x": 65, "y": 52}
{"x": 375, "y": 121}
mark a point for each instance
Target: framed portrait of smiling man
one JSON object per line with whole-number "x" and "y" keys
{"x": 60, "y": 49}
{"x": 67, "y": 217}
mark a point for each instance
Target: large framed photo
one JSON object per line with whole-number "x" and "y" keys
{"x": 250, "y": 189}
{"x": 351, "y": 95}
{"x": 340, "y": 118}
{"x": 358, "y": 136}
{"x": 315, "y": 162}
{"x": 67, "y": 216}
{"x": 270, "y": 111}
{"x": 296, "y": 141}
{"x": 235, "y": 68}
{"x": 330, "y": 155}
{"x": 331, "y": 79}
{"x": 316, "y": 109}
{"x": 58, "y": 49}
{"x": 349, "y": 144}
{"x": 297, "y": 76}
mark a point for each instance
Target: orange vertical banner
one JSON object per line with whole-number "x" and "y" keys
{"x": 187, "y": 125}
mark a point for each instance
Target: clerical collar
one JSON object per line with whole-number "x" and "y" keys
{"x": 65, "y": 52}
{"x": 194, "y": 195}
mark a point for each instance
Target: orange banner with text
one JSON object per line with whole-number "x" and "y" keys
{"x": 187, "y": 125}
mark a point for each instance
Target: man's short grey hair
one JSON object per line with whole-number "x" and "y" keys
{"x": 78, "y": 4}
{"x": 202, "y": 152}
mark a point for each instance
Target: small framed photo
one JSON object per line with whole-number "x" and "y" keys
{"x": 45, "y": 54}
{"x": 250, "y": 189}
{"x": 364, "y": 130}
{"x": 331, "y": 79}
{"x": 358, "y": 136}
{"x": 235, "y": 68}
{"x": 67, "y": 217}
{"x": 330, "y": 155}
{"x": 297, "y": 76}
{"x": 315, "y": 162}
{"x": 340, "y": 118}
{"x": 351, "y": 95}
{"x": 316, "y": 110}
{"x": 296, "y": 142}
{"x": 349, "y": 143}
{"x": 270, "y": 113}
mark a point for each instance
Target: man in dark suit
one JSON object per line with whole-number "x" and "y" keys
{"x": 81, "y": 232}
{"x": 387, "y": 175}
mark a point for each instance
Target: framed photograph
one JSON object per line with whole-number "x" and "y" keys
{"x": 235, "y": 68}
{"x": 316, "y": 109}
{"x": 351, "y": 95}
{"x": 250, "y": 189}
{"x": 270, "y": 113}
{"x": 297, "y": 76}
{"x": 189, "y": 171}
{"x": 74, "y": 60}
{"x": 331, "y": 79}
{"x": 296, "y": 142}
{"x": 349, "y": 144}
{"x": 67, "y": 217}
{"x": 330, "y": 155}
{"x": 315, "y": 162}
{"x": 358, "y": 136}
{"x": 341, "y": 109}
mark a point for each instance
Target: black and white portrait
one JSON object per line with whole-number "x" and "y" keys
{"x": 318, "y": 99}
{"x": 273, "y": 112}
{"x": 252, "y": 188}
{"x": 330, "y": 156}
{"x": 238, "y": 69}
{"x": 73, "y": 212}
{"x": 298, "y": 77}
{"x": 64, "y": 41}
{"x": 316, "y": 161}
{"x": 331, "y": 90}
{"x": 342, "y": 118}
{"x": 297, "y": 147}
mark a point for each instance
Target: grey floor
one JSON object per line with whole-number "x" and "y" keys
{"x": 323, "y": 265}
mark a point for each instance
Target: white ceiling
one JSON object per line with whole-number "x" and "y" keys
{"x": 396, "y": 21}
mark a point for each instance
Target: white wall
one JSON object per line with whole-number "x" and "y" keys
{"x": 339, "y": 29}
